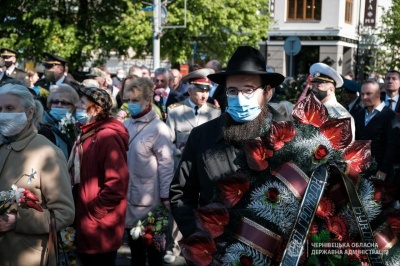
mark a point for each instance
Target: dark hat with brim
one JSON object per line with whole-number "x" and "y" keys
{"x": 247, "y": 60}
{"x": 98, "y": 96}
{"x": 7, "y": 52}
{"x": 351, "y": 86}
{"x": 51, "y": 60}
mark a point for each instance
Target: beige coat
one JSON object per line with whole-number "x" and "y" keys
{"x": 33, "y": 153}
{"x": 150, "y": 163}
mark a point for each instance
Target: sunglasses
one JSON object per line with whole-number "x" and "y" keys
{"x": 57, "y": 102}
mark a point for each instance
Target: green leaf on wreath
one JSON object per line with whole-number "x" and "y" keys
{"x": 315, "y": 238}
{"x": 336, "y": 260}
{"x": 313, "y": 261}
{"x": 324, "y": 236}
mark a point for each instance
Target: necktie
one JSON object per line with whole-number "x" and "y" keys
{"x": 196, "y": 108}
{"x": 390, "y": 101}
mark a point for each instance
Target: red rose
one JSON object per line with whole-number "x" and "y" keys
{"x": 321, "y": 152}
{"x": 378, "y": 195}
{"x": 272, "y": 195}
{"x": 246, "y": 261}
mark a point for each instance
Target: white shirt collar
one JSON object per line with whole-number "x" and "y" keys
{"x": 10, "y": 70}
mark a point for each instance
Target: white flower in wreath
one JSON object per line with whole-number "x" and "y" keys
{"x": 17, "y": 193}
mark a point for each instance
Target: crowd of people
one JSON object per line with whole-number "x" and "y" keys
{"x": 107, "y": 154}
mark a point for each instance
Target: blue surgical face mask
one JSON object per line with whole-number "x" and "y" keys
{"x": 58, "y": 113}
{"x": 134, "y": 108}
{"x": 243, "y": 109}
{"x": 81, "y": 116}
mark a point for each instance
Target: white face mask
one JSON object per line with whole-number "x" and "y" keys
{"x": 120, "y": 76}
{"x": 12, "y": 124}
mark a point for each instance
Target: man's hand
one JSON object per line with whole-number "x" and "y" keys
{"x": 166, "y": 203}
{"x": 8, "y": 222}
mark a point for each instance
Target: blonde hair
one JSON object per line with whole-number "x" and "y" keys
{"x": 142, "y": 85}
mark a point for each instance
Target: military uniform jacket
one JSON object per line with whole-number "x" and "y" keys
{"x": 181, "y": 119}
{"x": 20, "y": 75}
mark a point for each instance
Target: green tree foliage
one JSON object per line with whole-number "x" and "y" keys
{"x": 83, "y": 30}
{"x": 217, "y": 27}
{"x": 387, "y": 54}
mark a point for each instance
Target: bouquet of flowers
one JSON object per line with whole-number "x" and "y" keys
{"x": 67, "y": 126}
{"x": 18, "y": 196}
{"x": 68, "y": 255}
{"x": 154, "y": 229}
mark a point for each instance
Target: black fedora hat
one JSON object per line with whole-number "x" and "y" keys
{"x": 247, "y": 60}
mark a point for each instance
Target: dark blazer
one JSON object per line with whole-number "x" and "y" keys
{"x": 384, "y": 132}
{"x": 20, "y": 75}
{"x": 4, "y": 79}
{"x": 356, "y": 107}
{"x": 174, "y": 97}
{"x": 46, "y": 85}
{"x": 205, "y": 159}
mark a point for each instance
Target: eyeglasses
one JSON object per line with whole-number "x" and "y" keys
{"x": 6, "y": 56}
{"x": 63, "y": 103}
{"x": 247, "y": 92}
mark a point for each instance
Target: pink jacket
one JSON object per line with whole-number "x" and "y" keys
{"x": 101, "y": 200}
{"x": 151, "y": 165}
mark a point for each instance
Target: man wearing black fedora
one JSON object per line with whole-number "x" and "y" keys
{"x": 211, "y": 150}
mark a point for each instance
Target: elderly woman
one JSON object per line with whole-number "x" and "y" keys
{"x": 61, "y": 100}
{"x": 150, "y": 162}
{"x": 30, "y": 161}
{"x": 100, "y": 169}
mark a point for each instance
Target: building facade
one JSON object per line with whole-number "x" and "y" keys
{"x": 329, "y": 31}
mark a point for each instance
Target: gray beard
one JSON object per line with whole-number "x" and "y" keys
{"x": 236, "y": 133}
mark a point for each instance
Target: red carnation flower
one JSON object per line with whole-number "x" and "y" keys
{"x": 325, "y": 208}
{"x": 272, "y": 195}
{"x": 232, "y": 189}
{"x": 198, "y": 249}
{"x": 148, "y": 235}
{"x": 257, "y": 154}
{"x": 246, "y": 261}
{"x": 338, "y": 226}
{"x": 212, "y": 218}
{"x": 320, "y": 152}
{"x": 279, "y": 133}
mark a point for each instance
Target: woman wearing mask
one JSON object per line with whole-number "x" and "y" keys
{"x": 61, "y": 100}
{"x": 98, "y": 164}
{"x": 150, "y": 162}
{"x": 123, "y": 112}
{"x": 30, "y": 161}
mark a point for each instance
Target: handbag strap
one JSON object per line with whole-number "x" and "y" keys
{"x": 52, "y": 242}
{"x": 137, "y": 133}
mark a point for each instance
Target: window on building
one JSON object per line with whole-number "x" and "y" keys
{"x": 348, "y": 17}
{"x": 304, "y": 9}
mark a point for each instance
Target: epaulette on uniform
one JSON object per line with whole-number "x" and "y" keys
{"x": 172, "y": 106}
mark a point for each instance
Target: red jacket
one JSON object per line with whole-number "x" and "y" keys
{"x": 101, "y": 197}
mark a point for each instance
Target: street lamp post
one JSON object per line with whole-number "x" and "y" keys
{"x": 156, "y": 33}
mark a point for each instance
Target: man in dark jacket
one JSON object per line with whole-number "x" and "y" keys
{"x": 379, "y": 124}
{"x": 10, "y": 58}
{"x": 212, "y": 148}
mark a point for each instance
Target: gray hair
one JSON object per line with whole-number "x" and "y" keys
{"x": 62, "y": 89}
{"x": 163, "y": 71}
{"x": 26, "y": 100}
